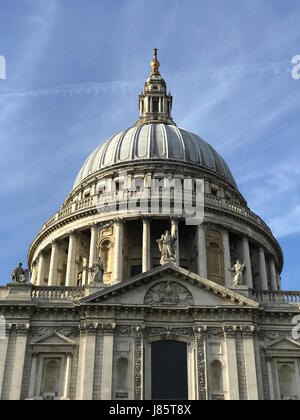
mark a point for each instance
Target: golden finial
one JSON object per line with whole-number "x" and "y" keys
{"x": 155, "y": 63}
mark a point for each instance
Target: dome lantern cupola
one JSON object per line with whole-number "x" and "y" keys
{"x": 155, "y": 105}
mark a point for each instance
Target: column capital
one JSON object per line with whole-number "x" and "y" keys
{"x": 72, "y": 232}
{"x": 229, "y": 331}
{"x": 108, "y": 328}
{"x": 201, "y": 331}
{"x": 22, "y": 329}
{"x": 248, "y": 331}
{"x": 42, "y": 253}
{"x": 118, "y": 220}
{"x": 54, "y": 242}
{"x": 146, "y": 218}
{"x": 93, "y": 225}
{"x": 89, "y": 328}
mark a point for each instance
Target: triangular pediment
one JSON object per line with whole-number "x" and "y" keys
{"x": 169, "y": 285}
{"x": 54, "y": 338}
{"x": 285, "y": 343}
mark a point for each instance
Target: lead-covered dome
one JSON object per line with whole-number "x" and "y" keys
{"x": 155, "y": 141}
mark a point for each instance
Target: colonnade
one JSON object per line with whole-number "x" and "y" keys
{"x": 268, "y": 277}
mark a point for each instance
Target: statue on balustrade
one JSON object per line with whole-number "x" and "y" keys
{"x": 97, "y": 271}
{"x": 238, "y": 273}
{"x": 19, "y": 275}
{"x": 167, "y": 247}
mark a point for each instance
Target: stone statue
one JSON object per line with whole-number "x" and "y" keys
{"x": 238, "y": 273}
{"x": 97, "y": 271}
{"x": 167, "y": 247}
{"x": 19, "y": 275}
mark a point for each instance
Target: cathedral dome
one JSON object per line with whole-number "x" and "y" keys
{"x": 155, "y": 142}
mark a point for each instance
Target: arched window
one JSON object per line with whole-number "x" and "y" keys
{"x": 122, "y": 369}
{"x": 216, "y": 376}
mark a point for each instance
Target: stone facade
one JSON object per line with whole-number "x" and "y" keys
{"x": 66, "y": 336}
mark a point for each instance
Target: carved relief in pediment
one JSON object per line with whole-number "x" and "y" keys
{"x": 169, "y": 293}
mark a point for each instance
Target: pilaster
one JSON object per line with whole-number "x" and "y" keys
{"x": 17, "y": 373}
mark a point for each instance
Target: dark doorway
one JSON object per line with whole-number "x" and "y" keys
{"x": 169, "y": 370}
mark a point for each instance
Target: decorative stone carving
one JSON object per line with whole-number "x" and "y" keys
{"x": 238, "y": 273}
{"x": 138, "y": 366}
{"x": 19, "y": 275}
{"x": 167, "y": 247}
{"x": 169, "y": 293}
{"x": 201, "y": 364}
{"x": 124, "y": 329}
{"x": 44, "y": 331}
{"x": 167, "y": 333}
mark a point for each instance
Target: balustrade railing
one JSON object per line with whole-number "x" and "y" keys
{"x": 277, "y": 297}
{"x": 109, "y": 198}
{"x": 57, "y": 293}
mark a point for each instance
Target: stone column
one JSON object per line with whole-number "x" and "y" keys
{"x": 118, "y": 257}
{"x": 262, "y": 269}
{"x": 41, "y": 268}
{"x": 93, "y": 244}
{"x": 232, "y": 370}
{"x": 4, "y": 339}
{"x": 67, "y": 377}
{"x": 32, "y": 376}
{"x": 273, "y": 274}
{"x": 86, "y": 363}
{"x": 202, "y": 264}
{"x": 107, "y": 361}
{"x": 18, "y": 364}
{"x": 227, "y": 259}
{"x": 34, "y": 273}
{"x": 250, "y": 363}
{"x": 247, "y": 259}
{"x": 175, "y": 231}
{"x": 279, "y": 281}
{"x": 53, "y": 264}
{"x": 146, "y": 244}
{"x": 70, "y": 281}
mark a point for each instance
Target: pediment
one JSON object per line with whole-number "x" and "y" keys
{"x": 283, "y": 344}
{"x": 169, "y": 285}
{"x": 53, "y": 339}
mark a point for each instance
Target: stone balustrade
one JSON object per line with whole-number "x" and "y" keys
{"x": 277, "y": 297}
{"x": 57, "y": 293}
{"x": 109, "y": 198}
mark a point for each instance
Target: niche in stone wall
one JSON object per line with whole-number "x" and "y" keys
{"x": 122, "y": 371}
{"x": 287, "y": 381}
{"x": 215, "y": 257}
{"x": 51, "y": 376}
{"x": 106, "y": 254}
{"x": 216, "y": 380}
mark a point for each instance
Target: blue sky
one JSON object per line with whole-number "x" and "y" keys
{"x": 76, "y": 67}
